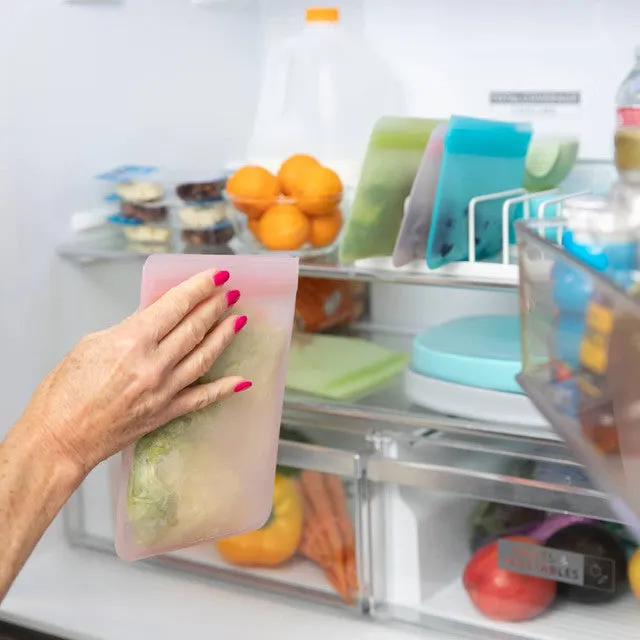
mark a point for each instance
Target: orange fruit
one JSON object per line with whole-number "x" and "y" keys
{"x": 293, "y": 171}
{"x": 253, "y": 225}
{"x": 325, "y": 229}
{"x": 283, "y": 227}
{"x": 253, "y": 190}
{"x": 320, "y": 192}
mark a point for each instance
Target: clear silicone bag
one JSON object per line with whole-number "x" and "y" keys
{"x": 412, "y": 240}
{"x": 210, "y": 474}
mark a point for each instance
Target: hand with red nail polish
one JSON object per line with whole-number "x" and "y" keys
{"x": 220, "y": 278}
{"x": 117, "y": 385}
{"x": 239, "y": 323}
{"x": 232, "y": 297}
{"x": 114, "y": 387}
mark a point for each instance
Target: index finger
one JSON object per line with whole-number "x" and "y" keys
{"x": 172, "y": 307}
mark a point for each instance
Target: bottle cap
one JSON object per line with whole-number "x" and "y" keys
{"x": 323, "y": 14}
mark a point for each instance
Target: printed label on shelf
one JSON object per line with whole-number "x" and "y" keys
{"x": 629, "y": 117}
{"x": 535, "y": 97}
{"x": 554, "y": 564}
{"x": 545, "y": 103}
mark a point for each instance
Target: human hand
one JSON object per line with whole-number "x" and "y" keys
{"x": 119, "y": 384}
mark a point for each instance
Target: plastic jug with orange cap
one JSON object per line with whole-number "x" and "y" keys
{"x": 322, "y": 92}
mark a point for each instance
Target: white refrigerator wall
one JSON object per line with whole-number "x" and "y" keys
{"x": 84, "y": 89}
{"x": 450, "y": 55}
{"x": 163, "y": 81}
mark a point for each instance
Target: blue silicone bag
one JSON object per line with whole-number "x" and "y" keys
{"x": 480, "y": 157}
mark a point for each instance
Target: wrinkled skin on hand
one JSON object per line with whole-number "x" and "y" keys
{"x": 119, "y": 384}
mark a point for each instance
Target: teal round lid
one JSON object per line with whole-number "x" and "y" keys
{"x": 480, "y": 351}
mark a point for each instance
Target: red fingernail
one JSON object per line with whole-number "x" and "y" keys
{"x": 238, "y": 325}
{"x": 220, "y": 278}
{"x": 232, "y": 297}
{"x": 243, "y": 386}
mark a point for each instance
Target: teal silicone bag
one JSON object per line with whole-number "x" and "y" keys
{"x": 480, "y": 157}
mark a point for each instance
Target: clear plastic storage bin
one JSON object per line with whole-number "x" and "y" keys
{"x": 592, "y": 404}
{"x": 449, "y": 518}
{"x": 284, "y": 556}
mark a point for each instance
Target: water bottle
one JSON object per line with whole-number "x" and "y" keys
{"x": 628, "y": 97}
{"x": 627, "y": 138}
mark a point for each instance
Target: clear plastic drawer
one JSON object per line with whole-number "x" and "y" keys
{"x": 310, "y": 547}
{"x": 491, "y": 538}
{"x": 581, "y": 361}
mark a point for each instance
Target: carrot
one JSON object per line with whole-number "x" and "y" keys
{"x": 336, "y": 581}
{"x": 316, "y": 492}
{"x": 310, "y": 548}
{"x": 315, "y": 539}
{"x": 352, "y": 573}
{"x": 313, "y": 544}
{"x": 338, "y": 497}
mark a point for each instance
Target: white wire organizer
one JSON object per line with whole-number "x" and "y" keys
{"x": 503, "y": 268}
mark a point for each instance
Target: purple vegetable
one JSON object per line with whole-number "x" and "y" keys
{"x": 522, "y": 530}
{"x": 541, "y": 533}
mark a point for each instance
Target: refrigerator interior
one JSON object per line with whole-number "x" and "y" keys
{"x": 91, "y": 514}
{"x": 176, "y": 84}
{"x": 423, "y": 538}
{"x": 172, "y": 83}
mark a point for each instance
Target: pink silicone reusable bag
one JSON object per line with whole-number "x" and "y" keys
{"x": 210, "y": 474}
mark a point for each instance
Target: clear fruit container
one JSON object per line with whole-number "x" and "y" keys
{"x": 303, "y": 227}
{"x": 296, "y": 210}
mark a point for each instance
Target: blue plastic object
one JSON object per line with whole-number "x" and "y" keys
{"x": 123, "y": 220}
{"x": 573, "y": 289}
{"x": 480, "y": 351}
{"x": 128, "y": 173}
{"x": 480, "y": 157}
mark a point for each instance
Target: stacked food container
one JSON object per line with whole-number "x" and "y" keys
{"x": 143, "y": 213}
{"x": 203, "y": 215}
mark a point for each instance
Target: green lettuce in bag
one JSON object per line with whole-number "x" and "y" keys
{"x": 209, "y": 474}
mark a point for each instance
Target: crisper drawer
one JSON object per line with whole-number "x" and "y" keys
{"x": 495, "y": 539}
{"x": 310, "y": 547}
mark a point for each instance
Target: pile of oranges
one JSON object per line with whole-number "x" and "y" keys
{"x": 300, "y": 206}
